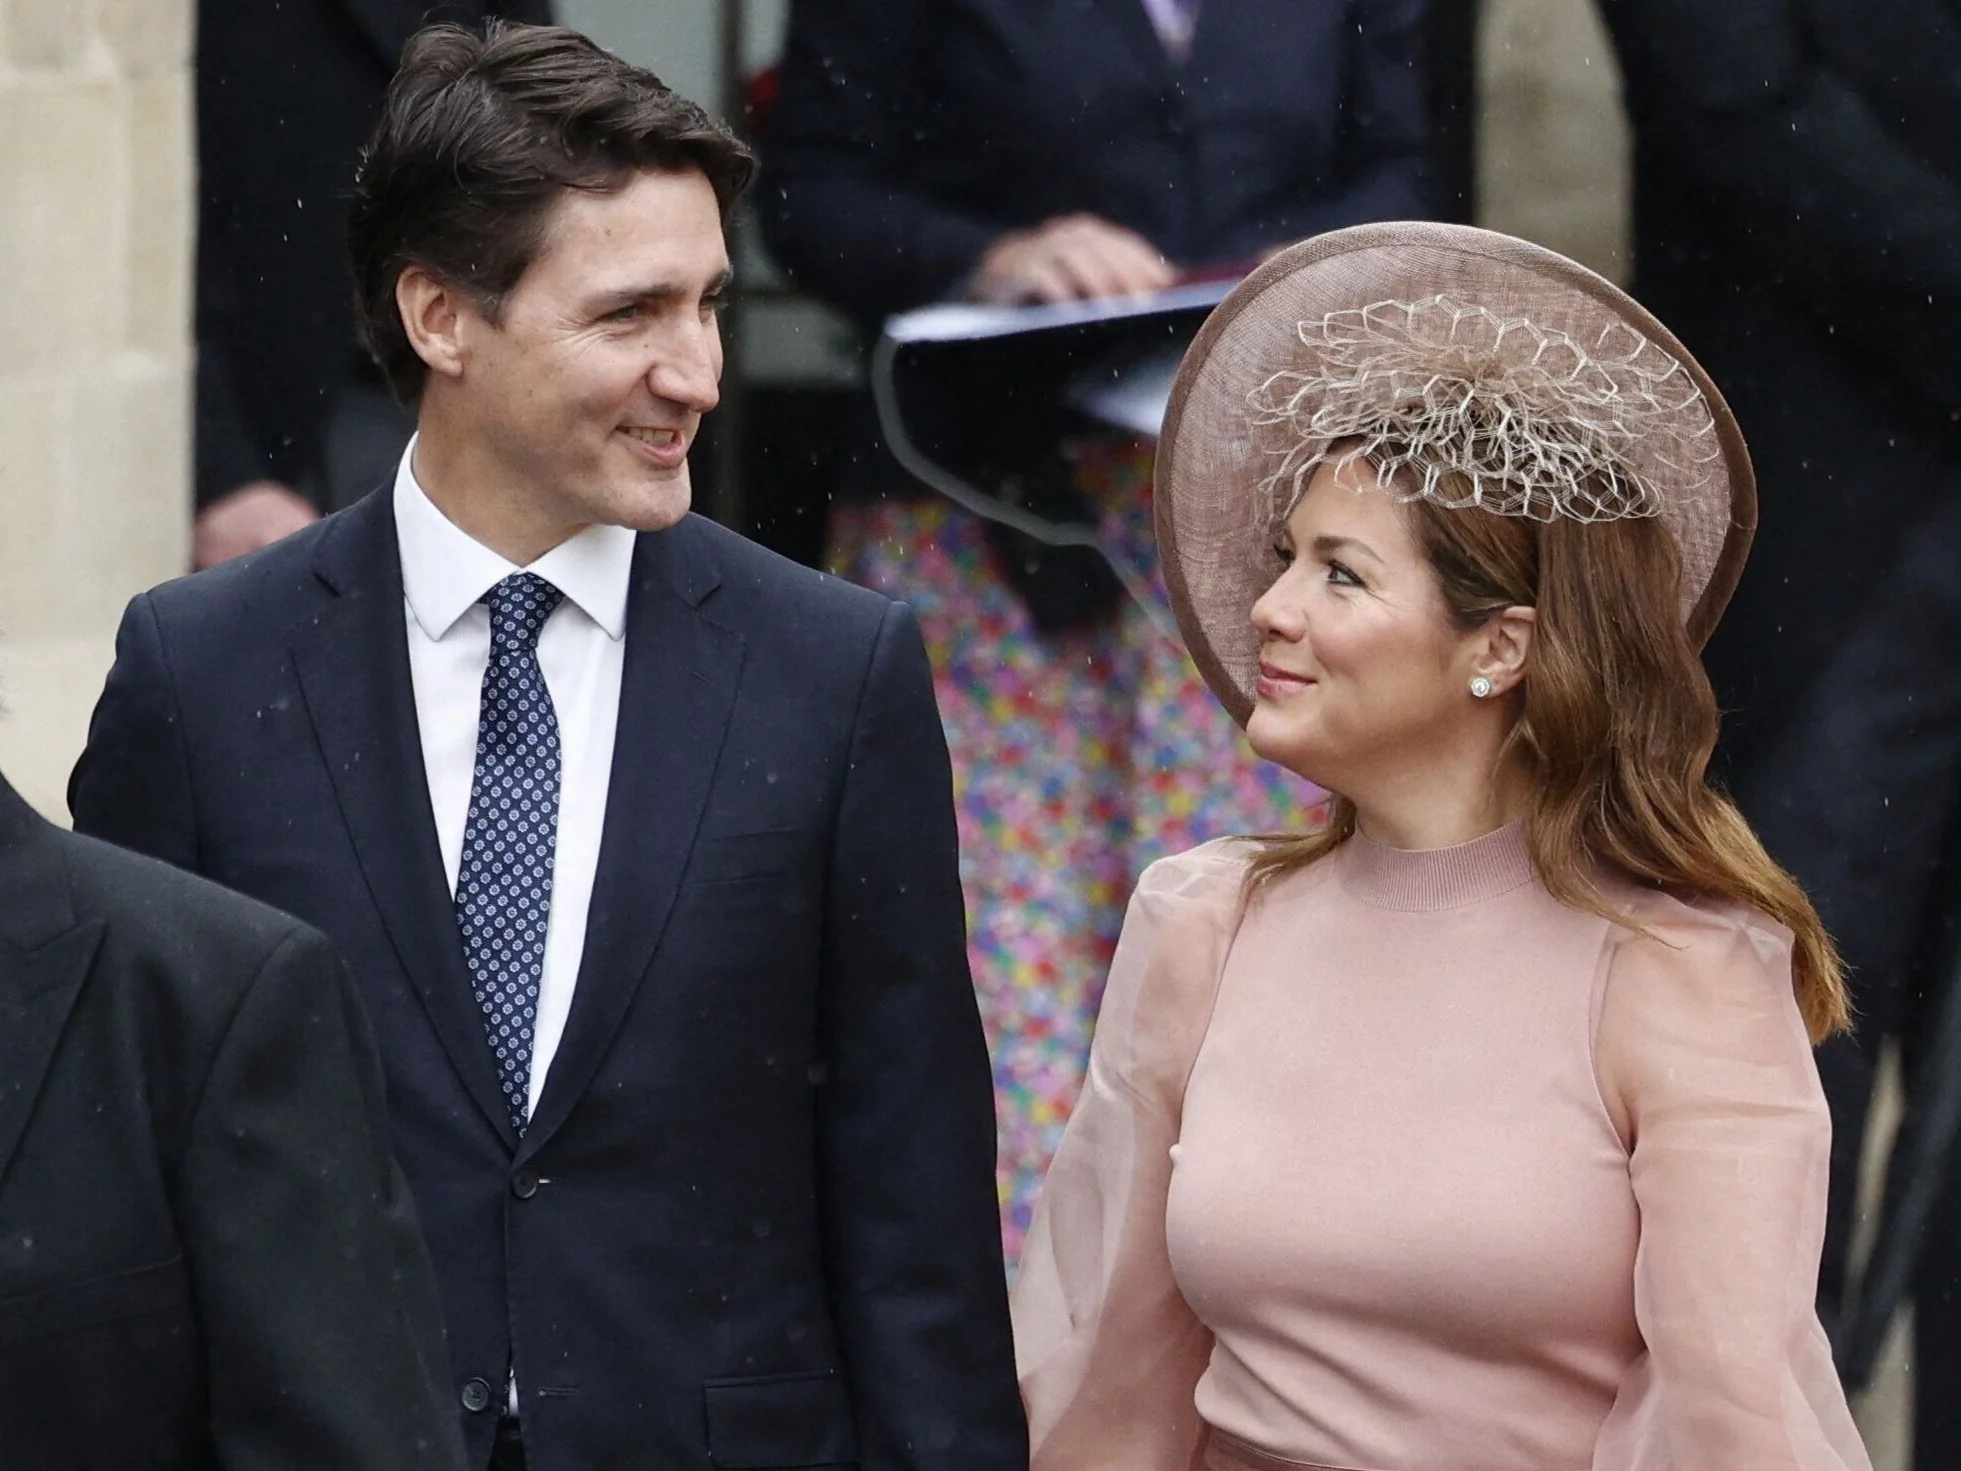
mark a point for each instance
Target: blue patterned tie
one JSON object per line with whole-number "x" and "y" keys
{"x": 504, "y": 882}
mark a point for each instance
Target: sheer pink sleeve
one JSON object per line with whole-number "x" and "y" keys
{"x": 1109, "y": 1354}
{"x": 1702, "y": 1053}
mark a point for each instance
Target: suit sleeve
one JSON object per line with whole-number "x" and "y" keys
{"x": 1828, "y": 197}
{"x": 225, "y": 457}
{"x": 132, "y": 785}
{"x": 834, "y": 201}
{"x": 906, "y": 1111}
{"x": 228, "y": 448}
{"x": 323, "y": 1333}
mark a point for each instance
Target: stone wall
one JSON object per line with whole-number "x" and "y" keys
{"x": 96, "y": 185}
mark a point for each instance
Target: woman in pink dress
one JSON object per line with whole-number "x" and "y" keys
{"x": 1477, "y": 1130}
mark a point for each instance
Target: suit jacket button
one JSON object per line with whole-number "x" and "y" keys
{"x": 476, "y": 1396}
{"x": 524, "y": 1184}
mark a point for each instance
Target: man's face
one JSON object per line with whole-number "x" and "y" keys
{"x": 586, "y": 394}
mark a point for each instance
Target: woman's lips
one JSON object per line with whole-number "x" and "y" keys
{"x": 1277, "y": 684}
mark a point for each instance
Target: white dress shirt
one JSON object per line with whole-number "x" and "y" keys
{"x": 582, "y": 651}
{"x": 1174, "y": 21}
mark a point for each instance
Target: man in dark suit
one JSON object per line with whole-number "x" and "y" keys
{"x": 1798, "y": 222}
{"x": 207, "y": 1255}
{"x": 292, "y": 419}
{"x": 1023, "y": 150}
{"x": 640, "y": 839}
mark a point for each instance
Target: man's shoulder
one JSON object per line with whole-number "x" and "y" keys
{"x": 260, "y": 584}
{"x": 759, "y": 584}
{"x": 187, "y": 926}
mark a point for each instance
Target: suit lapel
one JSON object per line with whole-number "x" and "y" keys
{"x": 353, "y": 665}
{"x": 45, "y": 954}
{"x": 676, "y": 693}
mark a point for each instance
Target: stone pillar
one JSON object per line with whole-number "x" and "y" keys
{"x": 96, "y": 226}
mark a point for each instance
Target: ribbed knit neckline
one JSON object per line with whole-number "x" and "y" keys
{"x": 1431, "y": 879}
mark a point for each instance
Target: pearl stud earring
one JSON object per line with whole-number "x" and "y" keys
{"x": 1480, "y": 687}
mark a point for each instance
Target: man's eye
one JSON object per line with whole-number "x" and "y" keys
{"x": 624, "y": 313}
{"x": 717, "y": 303}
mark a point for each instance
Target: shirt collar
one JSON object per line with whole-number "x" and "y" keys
{"x": 445, "y": 571}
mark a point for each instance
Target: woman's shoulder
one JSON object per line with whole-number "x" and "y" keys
{"x": 1698, "y": 963}
{"x": 1694, "y": 932}
{"x": 1163, "y": 978}
{"x": 1208, "y": 872}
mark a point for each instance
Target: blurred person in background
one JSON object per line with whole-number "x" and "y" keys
{"x": 292, "y": 418}
{"x": 1015, "y": 151}
{"x": 1798, "y": 220}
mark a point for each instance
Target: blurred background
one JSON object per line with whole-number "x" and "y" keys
{"x": 99, "y": 314}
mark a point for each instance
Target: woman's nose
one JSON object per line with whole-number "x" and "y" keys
{"x": 1276, "y": 615}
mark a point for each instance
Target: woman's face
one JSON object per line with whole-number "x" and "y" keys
{"x": 1362, "y": 675}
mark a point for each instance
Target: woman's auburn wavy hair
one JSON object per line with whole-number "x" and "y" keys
{"x": 1616, "y": 730}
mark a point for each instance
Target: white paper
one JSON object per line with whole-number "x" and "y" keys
{"x": 960, "y": 321}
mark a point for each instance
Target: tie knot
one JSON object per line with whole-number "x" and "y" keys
{"x": 519, "y": 606}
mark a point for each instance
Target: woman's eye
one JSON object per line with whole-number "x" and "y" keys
{"x": 1283, "y": 554}
{"x": 1341, "y": 576}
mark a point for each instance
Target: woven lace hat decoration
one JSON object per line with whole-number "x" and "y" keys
{"x": 1466, "y": 367}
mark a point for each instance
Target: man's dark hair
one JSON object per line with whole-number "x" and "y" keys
{"x": 479, "y": 137}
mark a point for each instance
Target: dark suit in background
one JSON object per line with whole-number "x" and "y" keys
{"x": 207, "y": 1255}
{"x": 287, "y": 94}
{"x": 1798, "y": 223}
{"x": 910, "y": 134}
{"x": 751, "y": 1222}
{"x": 906, "y": 136}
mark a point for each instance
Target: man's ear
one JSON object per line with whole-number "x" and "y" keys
{"x": 432, "y": 316}
{"x": 1506, "y": 647}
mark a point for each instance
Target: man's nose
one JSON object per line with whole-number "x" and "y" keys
{"x": 689, "y": 373}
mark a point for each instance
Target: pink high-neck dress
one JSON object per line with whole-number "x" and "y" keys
{"x": 1343, "y": 1189}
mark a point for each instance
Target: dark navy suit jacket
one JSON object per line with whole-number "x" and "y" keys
{"x": 752, "y": 1222}
{"x": 909, "y": 134}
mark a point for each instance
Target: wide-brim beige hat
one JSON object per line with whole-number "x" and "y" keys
{"x": 1325, "y": 338}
